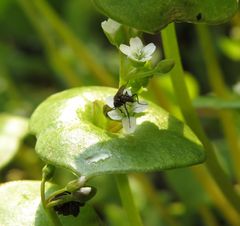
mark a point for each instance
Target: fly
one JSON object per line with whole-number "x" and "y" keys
{"x": 121, "y": 99}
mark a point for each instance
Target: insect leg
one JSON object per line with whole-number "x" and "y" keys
{"x": 135, "y": 95}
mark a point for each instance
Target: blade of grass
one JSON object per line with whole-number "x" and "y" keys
{"x": 177, "y": 76}
{"x": 65, "y": 72}
{"x": 216, "y": 81}
{"x": 81, "y": 52}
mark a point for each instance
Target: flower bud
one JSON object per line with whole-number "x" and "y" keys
{"x": 114, "y": 32}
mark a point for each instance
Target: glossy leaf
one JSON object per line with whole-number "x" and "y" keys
{"x": 20, "y": 205}
{"x": 152, "y": 15}
{"x": 12, "y": 130}
{"x": 69, "y": 136}
{"x": 214, "y": 102}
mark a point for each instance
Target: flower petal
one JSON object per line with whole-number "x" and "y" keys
{"x": 110, "y": 26}
{"x": 135, "y": 45}
{"x": 149, "y": 49}
{"x": 115, "y": 115}
{"x": 136, "y": 42}
{"x": 109, "y": 101}
{"x": 129, "y": 124}
{"x": 125, "y": 49}
{"x": 139, "y": 107}
{"x": 127, "y": 91}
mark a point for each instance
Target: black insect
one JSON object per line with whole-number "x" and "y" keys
{"x": 72, "y": 207}
{"x": 121, "y": 99}
{"x": 199, "y": 16}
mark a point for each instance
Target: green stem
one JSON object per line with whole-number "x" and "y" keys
{"x": 77, "y": 47}
{"x": 217, "y": 83}
{"x": 122, "y": 69}
{"x": 49, "y": 211}
{"x": 207, "y": 216}
{"x": 177, "y": 77}
{"x": 127, "y": 200}
{"x": 218, "y": 198}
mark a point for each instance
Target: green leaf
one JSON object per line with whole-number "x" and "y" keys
{"x": 20, "y": 204}
{"x": 12, "y": 131}
{"x": 216, "y": 103}
{"x": 68, "y": 136}
{"x": 153, "y": 15}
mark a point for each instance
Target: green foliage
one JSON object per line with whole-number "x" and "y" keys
{"x": 152, "y": 15}
{"x": 214, "y": 102}
{"x": 231, "y": 48}
{"x": 48, "y": 46}
{"x": 12, "y": 131}
{"x": 20, "y": 205}
{"x": 67, "y": 137}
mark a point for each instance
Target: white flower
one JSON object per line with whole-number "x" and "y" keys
{"x": 126, "y": 116}
{"x": 137, "y": 51}
{"x": 110, "y": 26}
{"x": 236, "y": 88}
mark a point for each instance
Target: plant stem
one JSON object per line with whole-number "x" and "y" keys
{"x": 77, "y": 47}
{"x": 207, "y": 216}
{"x": 127, "y": 200}
{"x": 177, "y": 77}
{"x": 218, "y": 198}
{"x": 49, "y": 211}
{"x": 217, "y": 83}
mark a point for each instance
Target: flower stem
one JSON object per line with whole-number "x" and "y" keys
{"x": 217, "y": 83}
{"x": 49, "y": 211}
{"x": 177, "y": 77}
{"x": 127, "y": 200}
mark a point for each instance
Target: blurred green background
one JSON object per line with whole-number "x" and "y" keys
{"x": 48, "y": 48}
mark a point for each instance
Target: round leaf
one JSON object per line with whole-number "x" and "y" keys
{"x": 12, "y": 130}
{"x": 69, "y": 135}
{"x": 152, "y": 15}
{"x": 20, "y": 204}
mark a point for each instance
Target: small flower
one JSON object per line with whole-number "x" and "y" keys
{"x": 126, "y": 115}
{"x": 110, "y": 26}
{"x": 137, "y": 51}
{"x": 114, "y": 31}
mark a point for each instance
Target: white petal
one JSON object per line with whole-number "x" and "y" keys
{"x": 135, "y": 44}
{"x": 109, "y": 101}
{"x": 125, "y": 49}
{"x": 127, "y": 91}
{"x": 110, "y": 26}
{"x": 138, "y": 108}
{"x": 115, "y": 115}
{"x": 149, "y": 49}
{"x": 129, "y": 124}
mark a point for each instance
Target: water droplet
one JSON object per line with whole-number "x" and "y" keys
{"x": 98, "y": 157}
